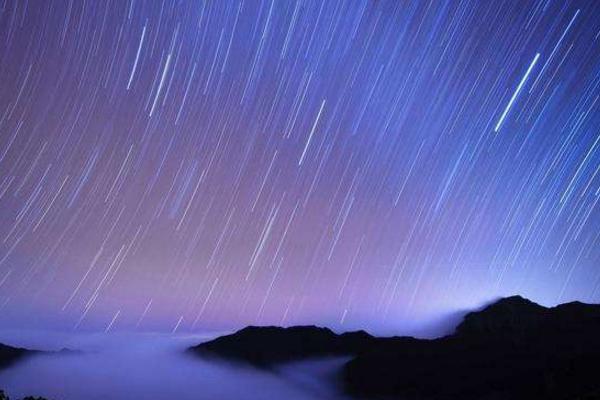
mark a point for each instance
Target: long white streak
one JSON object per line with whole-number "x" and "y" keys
{"x": 516, "y": 93}
{"x": 177, "y": 325}
{"x": 205, "y": 302}
{"x": 137, "y": 57}
{"x": 83, "y": 279}
{"x": 51, "y": 203}
{"x": 160, "y": 85}
{"x": 5, "y": 277}
{"x": 553, "y": 51}
{"x": 113, "y": 321}
{"x": 144, "y": 313}
{"x": 312, "y": 131}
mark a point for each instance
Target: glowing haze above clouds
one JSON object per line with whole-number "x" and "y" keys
{"x": 191, "y": 165}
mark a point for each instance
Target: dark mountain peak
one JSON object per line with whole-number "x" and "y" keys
{"x": 572, "y": 316}
{"x": 514, "y": 317}
{"x": 511, "y": 304}
{"x": 279, "y": 333}
{"x": 10, "y": 355}
{"x": 264, "y": 346}
{"x": 282, "y": 328}
{"x": 511, "y": 349}
{"x": 361, "y": 333}
{"x": 516, "y": 300}
{"x": 578, "y": 306}
{"x": 508, "y": 315}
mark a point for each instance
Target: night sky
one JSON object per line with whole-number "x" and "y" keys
{"x": 183, "y": 166}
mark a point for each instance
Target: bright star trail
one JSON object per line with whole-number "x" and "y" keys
{"x": 514, "y": 96}
{"x": 180, "y": 166}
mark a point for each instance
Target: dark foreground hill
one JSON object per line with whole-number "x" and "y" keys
{"x": 4, "y": 396}
{"x": 10, "y": 355}
{"x": 512, "y": 349}
{"x": 265, "y": 346}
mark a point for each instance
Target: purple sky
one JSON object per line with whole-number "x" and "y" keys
{"x": 189, "y": 165}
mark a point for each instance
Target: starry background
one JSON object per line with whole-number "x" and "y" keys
{"x": 189, "y": 165}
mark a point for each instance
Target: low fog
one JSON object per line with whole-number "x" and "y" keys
{"x": 129, "y": 366}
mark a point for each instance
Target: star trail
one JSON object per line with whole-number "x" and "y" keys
{"x": 188, "y": 165}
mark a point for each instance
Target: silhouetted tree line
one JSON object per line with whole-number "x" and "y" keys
{"x": 4, "y": 396}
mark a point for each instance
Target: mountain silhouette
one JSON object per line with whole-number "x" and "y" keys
{"x": 9, "y": 355}
{"x": 265, "y": 346}
{"x": 511, "y": 349}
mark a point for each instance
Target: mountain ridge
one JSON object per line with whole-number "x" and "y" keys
{"x": 10, "y": 355}
{"x": 511, "y": 349}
